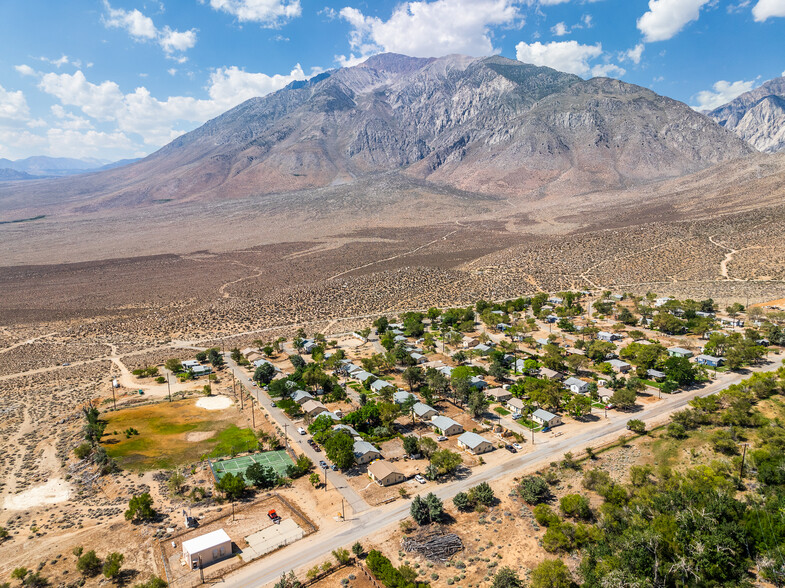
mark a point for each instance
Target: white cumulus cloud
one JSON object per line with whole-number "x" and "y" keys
{"x": 569, "y": 56}
{"x": 429, "y": 29}
{"x": 25, "y": 70}
{"x": 157, "y": 121}
{"x": 721, "y": 93}
{"x": 765, "y": 9}
{"x": 142, "y": 28}
{"x": 635, "y": 53}
{"x": 666, "y": 18}
{"x": 13, "y": 105}
{"x": 560, "y": 29}
{"x": 269, "y": 13}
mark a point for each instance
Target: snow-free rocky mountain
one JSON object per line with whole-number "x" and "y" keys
{"x": 489, "y": 125}
{"x": 757, "y": 116}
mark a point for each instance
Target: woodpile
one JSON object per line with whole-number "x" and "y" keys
{"x": 437, "y": 545}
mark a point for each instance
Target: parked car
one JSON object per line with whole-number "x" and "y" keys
{"x": 516, "y": 416}
{"x": 441, "y": 438}
{"x": 301, "y": 430}
{"x": 511, "y": 449}
{"x": 274, "y": 405}
{"x": 420, "y": 479}
{"x": 322, "y": 464}
{"x": 517, "y": 446}
{"x": 334, "y": 468}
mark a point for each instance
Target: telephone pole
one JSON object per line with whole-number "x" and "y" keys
{"x": 168, "y": 387}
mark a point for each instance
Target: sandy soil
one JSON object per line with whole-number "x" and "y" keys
{"x": 214, "y": 403}
{"x": 52, "y": 492}
{"x": 197, "y": 436}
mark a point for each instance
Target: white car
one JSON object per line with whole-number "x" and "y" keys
{"x": 420, "y": 479}
{"x": 517, "y": 446}
{"x": 441, "y": 438}
{"x": 301, "y": 430}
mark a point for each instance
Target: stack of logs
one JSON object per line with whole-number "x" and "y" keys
{"x": 434, "y": 546}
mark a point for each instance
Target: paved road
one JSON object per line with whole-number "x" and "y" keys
{"x": 353, "y": 499}
{"x": 318, "y": 546}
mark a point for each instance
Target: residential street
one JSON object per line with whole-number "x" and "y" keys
{"x": 335, "y": 479}
{"x": 548, "y": 448}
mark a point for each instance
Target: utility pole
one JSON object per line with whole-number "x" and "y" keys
{"x": 286, "y": 436}
{"x": 343, "y": 511}
{"x": 201, "y": 570}
{"x": 743, "y": 454}
{"x": 325, "y": 479}
{"x": 253, "y": 415}
{"x": 114, "y": 400}
{"x": 168, "y": 387}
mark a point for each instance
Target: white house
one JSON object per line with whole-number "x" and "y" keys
{"x": 379, "y": 385}
{"x": 515, "y": 405}
{"x": 619, "y": 366}
{"x": 550, "y": 374}
{"x": 301, "y": 396}
{"x": 608, "y": 337}
{"x": 207, "y": 549}
{"x": 446, "y": 425}
{"x": 679, "y": 352}
{"x": 402, "y": 396}
{"x": 313, "y": 408}
{"x": 575, "y": 385}
{"x": 546, "y": 418}
{"x": 499, "y": 394}
{"x": 474, "y": 443}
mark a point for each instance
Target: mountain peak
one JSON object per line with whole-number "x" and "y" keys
{"x": 395, "y": 63}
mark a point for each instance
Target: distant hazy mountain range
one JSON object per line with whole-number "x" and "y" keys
{"x": 757, "y": 116}
{"x": 41, "y": 166}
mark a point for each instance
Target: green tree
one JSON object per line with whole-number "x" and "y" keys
{"x": 428, "y": 447}
{"x": 340, "y": 450}
{"x": 20, "y": 573}
{"x": 478, "y": 403}
{"x": 261, "y": 476}
{"x": 534, "y": 490}
{"x": 482, "y": 494}
{"x": 94, "y": 426}
{"x": 232, "y": 485}
{"x": 462, "y": 501}
{"x": 140, "y": 508}
{"x": 552, "y": 573}
{"x": 89, "y": 564}
{"x": 357, "y": 549}
{"x": 578, "y": 406}
{"x": 173, "y": 365}
{"x": 506, "y": 578}
{"x": 426, "y": 510}
{"x": 414, "y": 377}
{"x": 315, "y": 480}
{"x": 637, "y": 426}
{"x": 446, "y": 461}
{"x": 411, "y": 445}
{"x": 341, "y": 555}
{"x": 175, "y": 482}
{"x": 153, "y": 582}
{"x": 112, "y": 565}
{"x": 264, "y": 374}
{"x": 624, "y": 398}
{"x": 576, "y": 506}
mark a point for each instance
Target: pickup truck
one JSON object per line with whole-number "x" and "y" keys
{"x": 274, "y": 516}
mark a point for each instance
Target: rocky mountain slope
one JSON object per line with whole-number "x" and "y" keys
{"x": 492, "y": 125}
{"x": 757, "y": 116}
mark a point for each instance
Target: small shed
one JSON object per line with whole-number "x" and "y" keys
{"x": 385, "y": 473}
{"x": 208, "y": 548}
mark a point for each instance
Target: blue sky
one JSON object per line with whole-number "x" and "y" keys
{"x": 120, "y": 78}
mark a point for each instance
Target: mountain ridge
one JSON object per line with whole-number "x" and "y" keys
{"x": 484, "y": 125}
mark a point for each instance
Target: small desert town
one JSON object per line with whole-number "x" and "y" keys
{"x": 414, "y": 451}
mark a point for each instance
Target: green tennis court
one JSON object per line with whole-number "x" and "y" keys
{"x": 278, "y": 460}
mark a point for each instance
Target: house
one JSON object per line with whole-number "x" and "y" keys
{"x": 308, "y": 345}
{"x": 364, "y": 452}
{"x": 679, "y": 352}
{"x": 551, "y": 318}
{"x": 346, "y": 428}
{"x": 402, "y": 396}
{"x": 261, "y": 362}
{"x": 384, "y": 473}
{"x": 189, "y": 364}
{"x": 575, "y": 385}
{"x": 502, "y": 326}
{"x": 361, "y": 375}
{"x": 703, "y": 314}
{"x": 478, "y": 382}
{"x": 399, "y": 338}
{"x": 709, "y": 360}
{"x": 608, "y": 337}
{"x": 482, "y": 348}
{"x": 604, "y": 394}
{"x": 515, "y": 405}
{"x": 349, "y": 368}
{"x": 313, "y": 408}
{"x": 418, "y": 358}
{"x": 446, "y": 425}
{"x": 207, "y": 549}
{"x": 446, "y": 370}
{"x": 423, "y": 411}
{"x": 661, "y": 301}
{"x": 545, "y": 418}
{"x": 550, "y": 374}
{"x": 252, "y": 355}
{"x": 499, "y": 394}
{"x": 542, "y": 341}
{"x": 656, "y": 375}
{"x": 201, "y": 370}
{"x": 301, "y": 396}
{"x": 619, "y": 366}
{"x": 731, "y": 322}
{"x": 467, "y": 342}
{"x": 379, "y": 385}
{"x": 474, "y": 443}
{"x": 555, "y": 300}
{"x": 498, "y": 312}
{"x": 336, "y": 416}
{"x": 396, "y": 332}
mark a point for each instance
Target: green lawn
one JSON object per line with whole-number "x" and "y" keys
{"x": 173, "y": 434}
{"x": 501, "y": 410}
